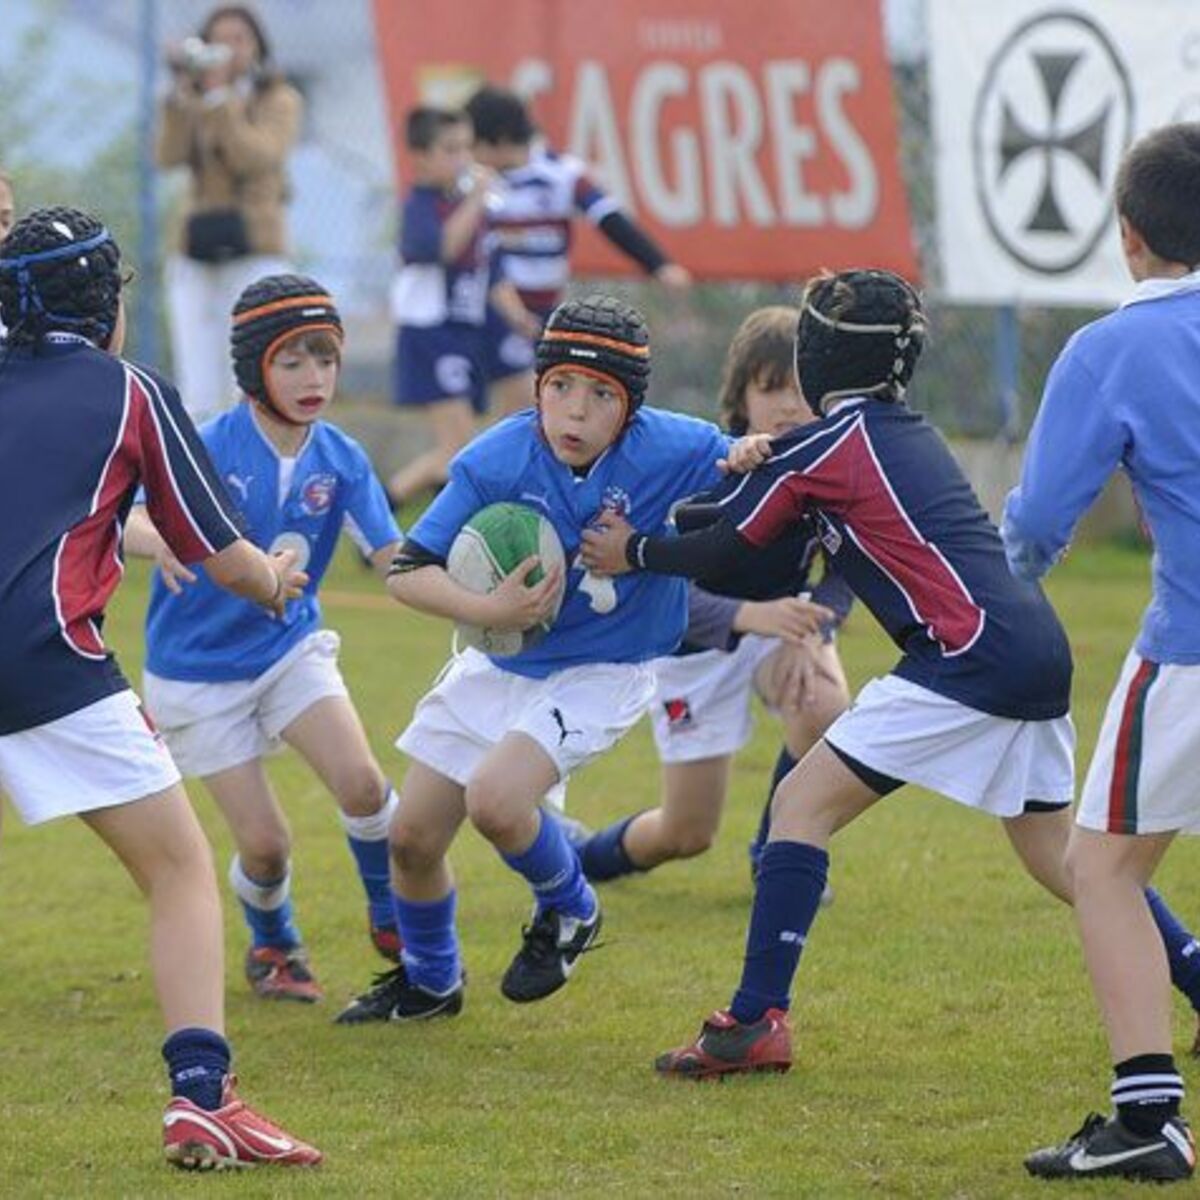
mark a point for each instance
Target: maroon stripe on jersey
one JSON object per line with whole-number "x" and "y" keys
{"x": 88, "y": 566}
{"x": 167, "y": 506}
{"x": 541, "y": 302}
{"x": 849, "y": 478}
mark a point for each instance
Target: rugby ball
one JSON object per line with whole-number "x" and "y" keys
{"x": 488, "y": 547}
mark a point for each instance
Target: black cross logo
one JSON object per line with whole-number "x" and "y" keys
{"x": 1086, "y": 143}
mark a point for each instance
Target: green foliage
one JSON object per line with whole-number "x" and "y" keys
{"x": 944, "y": 1025}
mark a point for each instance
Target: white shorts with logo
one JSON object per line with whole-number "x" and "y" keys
{"x": 574, "y": 714}
{"x": 995, "y": 764}
{"x": 1144, "y": 773}
{"x": 211, "y": 727}
{"x": 103, "y": 755}
{"x": 701, "y": 705}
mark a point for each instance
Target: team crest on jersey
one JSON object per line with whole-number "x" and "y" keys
{"x": 679, "y": 714}
{"x": 829, "y": 534}
{"x": 317, "y": 493}
{"x": 616, "y": 500}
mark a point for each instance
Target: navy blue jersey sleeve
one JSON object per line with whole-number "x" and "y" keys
{"x": 186, "y": 499}
{"x": 834, "y": 593}
{"x": 421, "y": 229}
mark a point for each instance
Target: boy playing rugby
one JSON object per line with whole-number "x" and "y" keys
{"x": 1126, "y": 392}
{"x": 493, "y": 737}
{"x": 224, "y": 682}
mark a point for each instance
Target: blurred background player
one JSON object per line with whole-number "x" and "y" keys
{"x": 450, "y": 273}
{"x": 232, "y": 122}
{"x": 541, "y": 194}
{"x": 733, "y": 648}
{"x": 977, "y": 706}
{"x": 82, "y": 429}
{"x": 495, "y": 736}
{"x": 1125, "y": 392}
{"x": 224, "y": 681}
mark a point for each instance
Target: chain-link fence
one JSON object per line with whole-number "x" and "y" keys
{"x": 79, "y": 81}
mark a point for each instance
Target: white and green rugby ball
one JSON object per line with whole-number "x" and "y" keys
{"x": 488, "y": 547}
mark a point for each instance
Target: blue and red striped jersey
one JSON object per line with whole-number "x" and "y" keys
{"x": 82, "y": 430}
{"x": 904, "y": 529}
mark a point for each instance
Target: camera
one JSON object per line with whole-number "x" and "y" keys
{"x": 195, "y": 56}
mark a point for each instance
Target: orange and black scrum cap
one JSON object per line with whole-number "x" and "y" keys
{"x": 267, "y": 313}
{"x": 599, "y": 335}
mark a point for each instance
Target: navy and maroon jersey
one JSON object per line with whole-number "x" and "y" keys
{"x": 82, "y": 430}
{"x": 903, "y": 528}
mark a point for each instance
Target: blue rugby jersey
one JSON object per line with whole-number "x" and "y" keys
{"x": 428, "y": 291}
{"x": 659, "y": 459}
{"x": 904, "y": 529}
{"x": 82, "y": 430}
{"x": 206, "y": 635}
{"x": 1125, "y": 392}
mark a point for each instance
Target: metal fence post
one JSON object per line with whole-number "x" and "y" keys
{"x": 1006, "y": 367}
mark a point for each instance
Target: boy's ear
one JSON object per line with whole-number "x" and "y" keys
{"x": 1132, "y": 241}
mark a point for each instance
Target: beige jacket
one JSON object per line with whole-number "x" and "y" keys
{"x": 237, "y": 151}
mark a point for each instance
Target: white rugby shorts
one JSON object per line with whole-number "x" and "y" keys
{"x": 701, "y": 705}
{"x": 574, "y": 714}
{"x": 995, "y": 764}
{"x": 211, "y": 727}
{"x": 1143, "y": 775}
{"x": 98, "y": 757}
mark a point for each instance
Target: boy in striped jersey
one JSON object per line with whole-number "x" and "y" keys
{"x": 541, "y": 196}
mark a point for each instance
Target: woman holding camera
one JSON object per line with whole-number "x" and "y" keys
{"x": 231, "y": 121}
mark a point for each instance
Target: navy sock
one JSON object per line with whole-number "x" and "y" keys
{"x": 604, "y": 855}
{"x": 783, "y": 765}
{"x": 552, "y": 869}
{"x": 1183, "y": 951}
{"x": 197, "y": 1063}
{"x": 787, "y": 894}
{"x": 1146, "y": 1091}
{"x": 430, "y": 953}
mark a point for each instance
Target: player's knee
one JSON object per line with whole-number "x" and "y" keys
{"x": 361, "y": 789}
{"x": 265, "y": 852}
{"x": 492, "y": 809}
{"x": 412, "y": 847}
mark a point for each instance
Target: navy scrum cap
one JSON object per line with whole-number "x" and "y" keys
{"x": 860, "y": 333}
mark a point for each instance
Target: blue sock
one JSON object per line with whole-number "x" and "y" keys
{"x": 197, "y": 1063}
{"x": 267, "y": 907}
{"x": 1183, "y": 951}
{"x": 787, "y": 894}
{"x": 783, "y": 765}
{"x": 604, "y": 855}
{"x": 367, "y": 837}
{"x": 430, "y": 953}
{"x": 552, "y": 869}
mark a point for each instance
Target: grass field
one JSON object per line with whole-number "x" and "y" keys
{"x": 943, "y": 1021}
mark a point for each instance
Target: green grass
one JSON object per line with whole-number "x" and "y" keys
{"x": 944, "y": 1025}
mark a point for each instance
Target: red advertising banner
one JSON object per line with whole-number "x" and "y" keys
{"x": 755, "y": 139}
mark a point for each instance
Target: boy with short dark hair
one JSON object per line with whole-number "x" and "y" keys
{"x": 1125, "y": 392}
{"x": 450, "y": 272}
{"x": 541, "y": 195}
{"x": 495, "y": 736}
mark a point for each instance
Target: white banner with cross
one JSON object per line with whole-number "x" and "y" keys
{"x": 1034, "y": 103}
